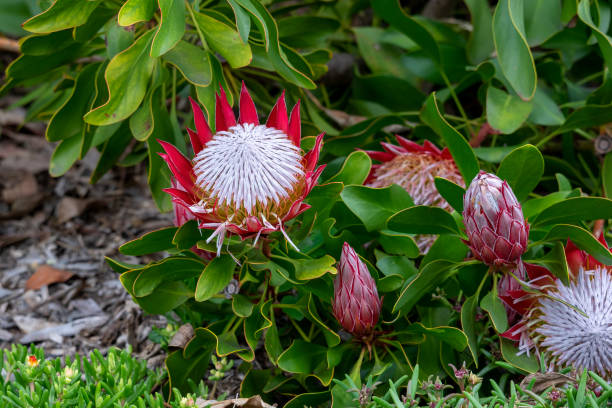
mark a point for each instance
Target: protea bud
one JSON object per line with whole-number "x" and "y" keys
{"x": 494, "y": 222}
{"x": 246, "y": 179}
{"x": 415, "y": 167}
{"x": 356, "y": 304}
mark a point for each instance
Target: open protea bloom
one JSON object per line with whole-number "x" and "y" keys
{"x": 246, "y": 179}
{"x": 356, "y": 304}
{"x": 572, "y": 323}
{"x": 415, "y": 167}
{"x": 494, "y": 222}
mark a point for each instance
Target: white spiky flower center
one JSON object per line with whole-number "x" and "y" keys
{"x": 248, "y": 165}
{"x": 582, "y": 340}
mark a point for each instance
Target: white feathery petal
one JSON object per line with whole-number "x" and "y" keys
{"x": 573, "y": 338}
{"x": 248, "y": 164}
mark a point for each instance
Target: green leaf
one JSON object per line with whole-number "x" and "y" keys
{"x": 61, "y": 15}
{"x": 545, "y": 111}
{"x": 575, "y": 210}
{"x": 224, "y": 40}
{"x": 112, "y": 151}
{"x": 302, "y": 357}
{"x": 493, "y": 305}
{"x": 480, "y": 44}
{"x": 151, "y": 242}
{"x": 585, "y": 117}
{"x": 542, "y": 20}
{"x": 451, "y": 192}
{"x": 449, "y": 335}
{"x": 604, "y": 40}
{"x": 583, "y": 240}
{"x": 373, "y": 206}
{"x": 215, "y": 277}
{"x": 308, "y": 269}
{"x": 183, "y": 365}
{"x": 242, "y": 306}
{"x": 606, "y": 174}
{"x": 506, "y": 112}
{"x": 291, "y": 30}
{"x": 397, "y": 243}
{"x": 168, "y": 270}
{"x": 447, "y": 247}
{"x": 165, "y": 298}
{"x": 310, "y": 399}
{"x": 468, "y": 323}
{"x": 158, "y": 172}
{"x": 460, "y": 149}
{"x": 192, "y": 61}
{"x": 432, "y": 275}
{"x": 65, "y": 155}
{"x": 135, "y": 11}
{"x": 422, "y": 219}
{"x": 392, "y": 13}
{"x": 47, "y": 43}
{"x": 513, "y": 52}
{"x": 127, "y": 76}
{"x": 30, "y": 66}
{"x": 355, "y": 169}
{"x": 522, "y": 169}
{"x": 243, "y": 21}
{"x": 520, "y": 361}
{"x": 331, "y": 337}
{"x": 269, "y": 31}
{"x": 171, "y": 27}
{"x": 187, "y": 235}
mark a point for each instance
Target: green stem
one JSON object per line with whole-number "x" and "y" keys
{"x": 195, "y": 24}
{"x": 299, "y": 329}
{"x": 457, "y": 102}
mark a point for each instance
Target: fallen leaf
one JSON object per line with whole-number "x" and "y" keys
{"x": 545, "y": 380}
{"x": 252, "y": 402}
{"x": 69, "y": 208}
{"x": 46, "y": 275}
{"x": 26, "y": 187}
{"x": 182, "y": 336}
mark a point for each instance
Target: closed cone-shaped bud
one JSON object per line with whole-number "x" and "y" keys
{"x": 356, "y": 304}
{"x": 494, "y": 221}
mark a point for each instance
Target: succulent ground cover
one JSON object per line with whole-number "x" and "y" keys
{"x": 370, "y": 203}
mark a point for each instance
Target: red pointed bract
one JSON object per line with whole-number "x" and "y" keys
{"x": 202, "y": 129}
{"x": 278, "y": 116}
{"x": 248, "y": 112}
{"x": 312, "y": 156}
{"x": 225, "y": 118}
{"x": 294, "y": 130}
{"x": 180, "y": 165}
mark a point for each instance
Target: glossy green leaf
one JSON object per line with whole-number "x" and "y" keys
{"x": 447, "y": 247}
{"x": 243, "y": 20}
{"x": 183, "y": 366}
{"x": 460, "y": 149}
{"x": 603, "y": 39}
{"x": 171, "y": 27}
{"x": 307, "y": 269}
{"x": 168, "y": 270}
{"x": 215, "y": 277}
{"x": 606, "y": 174}
{"x": 583, "y": 239}
{"x": 242, "y": 306}
{"x": 381, "y": 57}
{"x": 373, "y": 206}
{"x": 449, "y": 335}
{"x": 513, "y": 52}
{"x": 158, "y": 172}
{"x": 192, "y": 61}
{"x": 269, "y": 31}
{"x": 468, "y": 323}
{"x": 65, "y": 155}
{"x": 142, "y": 122}
{"x": 520, "y": 361}
{"x": 394, "y": 242}
{"x": 46, "y": 43}
{"x": 542, "y": 20}
{"x": 155, "y": 241}
{"x": 506, "y": 112}
{"x": 451, "y": 192}
{"x": 127, "y": 76}
{"x": 432, "y": 275}
{"x": 309, "y": 399}
{"x": 522, "y": 169}
{"x": 61, "y": 15}
{"x": 480, "y": 44}
{"x": 135, "y": 11}
{"x": 545, "y": 111}
{"x": 30, "y": 66}
{"x": 187, "y": 235}
{"x": 111, "y": 151}
{"x": 493, "y": 305}
{"x": 224, "y": 40}
{"x": 302, "y": 357}
{"x": 587, "y": 116}
{"x": 165, "y": 298}
{"x": 575, "y": 210}
{"x": 422, "y": 219}
{"x": 68, "y": 120}
{"x": 355, "y": 169}
{"x": 331, "y": 337}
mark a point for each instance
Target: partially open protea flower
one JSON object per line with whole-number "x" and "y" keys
{"x": 572, "y": 323}
{"x": 494, "y": 222}
{"x": 414, "y": 167}
{"x": 246, "y": 179}
{"x": 356, "y": 304}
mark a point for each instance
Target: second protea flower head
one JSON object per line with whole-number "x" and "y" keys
{"x": 247, "y": 178}
{"x": 356, "y": 304}
{"x": 494, "y": 222}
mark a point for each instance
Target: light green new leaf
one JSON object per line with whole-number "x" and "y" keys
{"x": 224, "y": 40}
{"x": 61, "y": 15}
{"x": 522, "y": 169}
{"x": 506, "y": 112}
{"x": 354, "y": 170}
{"x": 171, "y": 28}
{"x": 513, "y": 52}
{"x": 135, "y": 11}
{"x": 127, "y": 77}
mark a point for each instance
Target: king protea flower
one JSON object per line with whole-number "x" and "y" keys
{"x": 572, "y": 323}
{"x": 356, "y": 304}
{"x": 494, "y": 222}
{"x": 247, "y": 178}
{"x": 415, "y": 167}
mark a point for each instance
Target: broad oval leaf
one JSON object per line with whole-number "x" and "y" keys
{"x": 493, "y": 305}
{"x": 451, "y": 192}
{"x": 423, "y": 219}
{"x": 583, "y": 240}
{"x": 480, "y": 44}
{"x": 506, "y": 112}
{"x": 513, "y": 52}
{"x": 215, "y": 277}
{"x": 171, "y": 28}
{"x": 542, "y": 20}
{"x": 192, "y": 61}
{"x": 604, "y": 40}
{"x": 519, "y": 360}
{"x": 224, "y": 40}
{"x": 355, "y": 169}
{"x": 168, "y": 270}
{"x": 151, "y": 242}
{"x": 61, "y": 15}
{"x": 135, "y": 11}
{"x": 575, "y": 210}
{"x": 522, "y": 169}
{"x": 545, "y": 111}
{"x": 65, "y": 155}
